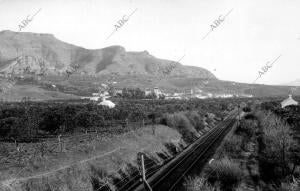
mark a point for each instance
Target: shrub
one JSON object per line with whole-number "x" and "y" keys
{"x": 246, "y": 109}
{"x": 231, "y": 147}
{"x": 247, "y": 128}
{"x": 199, "y": 183}
{"x": 181, "y": 123}
{"x": 3, "y": 150}
{"x": 276, "y": 158}
{"x": 291, "y": 186}
{"x": 250, "y": 116}
{"x": 227, "y": 172}
{"x": 195, "y": 120}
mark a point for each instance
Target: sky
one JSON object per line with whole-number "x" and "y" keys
{"x": 253, "y": 34}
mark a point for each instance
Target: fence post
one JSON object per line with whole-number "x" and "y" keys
{"x": 239, "y": 119}
{"x": 153, "y": 129}
{"x": 59, "y": 143}
{"x": 18, "y": 150}
{"x": 43, "y": 149}
{"x": 146, "y": 185}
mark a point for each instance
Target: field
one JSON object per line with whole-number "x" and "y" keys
{"x": 40, "y": 139}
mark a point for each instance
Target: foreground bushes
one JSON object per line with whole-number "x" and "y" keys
{"x": 246, "y": 128}
{"x": 196, "y": 119}
{"x": 293, "y": 185}
{"x": 232, "y": 147}
{"x": 223, "y": 174}
{"x": 227, "y": 172}
{"x": 199, "y": 184}
{"x": 181, "y": 123}
{"x": 279, "y": 156}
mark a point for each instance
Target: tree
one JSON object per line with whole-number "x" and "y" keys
{"x": 277, "y": 157}
{"x": 52, "y": 120}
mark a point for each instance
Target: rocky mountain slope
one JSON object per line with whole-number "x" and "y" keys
{"x": 43, "y": 54}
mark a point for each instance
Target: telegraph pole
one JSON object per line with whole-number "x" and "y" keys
{"x": 146, "y": 184}
{"x": 239, "y": 114}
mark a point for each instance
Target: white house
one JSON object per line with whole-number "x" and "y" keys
{"x": 173, "y": 97}
{"x": 107, "y": 103}
{"x": 119, "y": 91}
{"x": 94, "y": 98}
{"x": 201, "y": 96}
{"x": 288, "y": 101}
{"x": 157, "y": 92}
{"x": 148, "y": 91}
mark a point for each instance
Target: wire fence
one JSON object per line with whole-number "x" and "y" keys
{"x": 14, "y": 153}
{"x": 25, "y": 154}
{"x": 124, "y": 179}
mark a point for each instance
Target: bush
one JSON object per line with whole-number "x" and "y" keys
{"x": 231, "y": 147}
{"x": 227, "y": 172}
{"x": 199, "y": 183}
{"x": 276, "y": 160}
{"x": 247, "y": 109}
{"x": 247, "y": 128}
{"x": 291, "y": 186}
{"x": 250, "y": 116}
{"x": 4, "y": 150}
{"x": 181, "y": 123}
{"x": 195, "y": 119}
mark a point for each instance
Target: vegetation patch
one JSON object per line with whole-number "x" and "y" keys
{"x": 233, "y": 166}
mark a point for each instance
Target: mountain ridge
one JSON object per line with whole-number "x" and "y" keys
{"x": 43, "y": 54}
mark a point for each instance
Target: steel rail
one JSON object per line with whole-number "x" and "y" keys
{"x": 197, "y": 159}
{"x": 185, "y": 164}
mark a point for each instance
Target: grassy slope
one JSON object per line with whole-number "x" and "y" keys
{"x": 17, "y": 92}
{"x": 78, "y": 176}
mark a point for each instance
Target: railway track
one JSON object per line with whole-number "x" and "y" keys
{"x": 169, "y": 176}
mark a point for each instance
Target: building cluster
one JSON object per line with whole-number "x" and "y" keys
{"x": 155, "y": 91}
{"x": 198, "y": 93}
{"x": 101, "y": 97}
{"x": 158, "y": 93}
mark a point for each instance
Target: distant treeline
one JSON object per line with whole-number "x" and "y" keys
{"x": 136, "y": 93}
{"x": 26, "y": 120}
